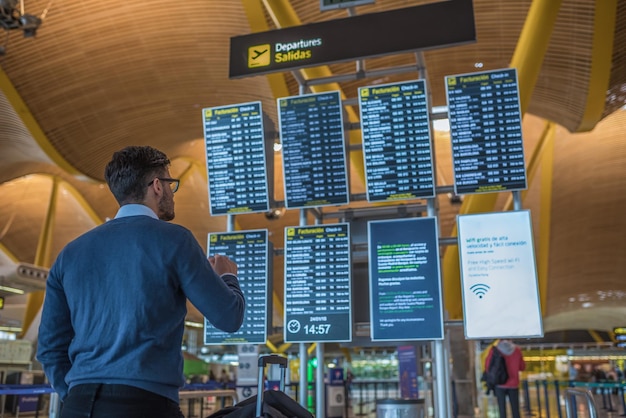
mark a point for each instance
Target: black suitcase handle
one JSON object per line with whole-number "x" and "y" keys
{"x": 263, "y": 361}
{"x": 272, "y": 359}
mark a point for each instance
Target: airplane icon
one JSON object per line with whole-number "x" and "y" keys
{"x": 258, "y": 54}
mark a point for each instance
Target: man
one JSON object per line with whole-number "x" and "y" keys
{"x": 113, "y": 317}
{"x": 514, "y": 364}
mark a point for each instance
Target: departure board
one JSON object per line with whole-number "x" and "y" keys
{"x": 486, "y": 132}
{"x": 396, "y": 141}
{"x": 235, "y": 156}
{"x": 405, "y": 283}
{"x": 314, "y": 157}
{"x": 250, "y": 250}
{"x": 317, "y": 283}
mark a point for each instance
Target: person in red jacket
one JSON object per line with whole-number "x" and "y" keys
{"x": 514, "y": 364}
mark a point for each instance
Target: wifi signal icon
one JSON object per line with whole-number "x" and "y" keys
{"x": 480, "y": 289}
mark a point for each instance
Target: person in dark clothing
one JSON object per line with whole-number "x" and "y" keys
{"x": 116, "y": 300}
{"x": 514, "y": 364}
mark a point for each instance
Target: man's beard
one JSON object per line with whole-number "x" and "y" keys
{"x": 166, "y": 208}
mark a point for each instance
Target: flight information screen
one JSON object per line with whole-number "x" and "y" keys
{"x": 250, "y": 250}
{"x": 317, "y": 283}
{"x": 396, "y": 141}
{"x": 235, "y": 156}
{"x": 314, "y": 154}
{"x": 486, "y": 132}
{"x": 405, "y": 285}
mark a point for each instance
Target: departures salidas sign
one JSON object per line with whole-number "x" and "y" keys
{"x": 367, "y": 35}
{"x": 294, "y": 51}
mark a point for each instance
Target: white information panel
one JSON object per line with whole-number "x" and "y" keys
{"x": 499, "y": 276}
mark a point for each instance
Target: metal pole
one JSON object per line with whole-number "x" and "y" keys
{"x": 320, "y": 409}
{"x": 230, "y": 223}
{"x": 55, "y": 405}
{"x": 304, "y": 383}
{"x": 441, "y": 405}
{"x": 439, "y": 358}
{"x": 517, "y": 200}
{"x": 303, "y": 376}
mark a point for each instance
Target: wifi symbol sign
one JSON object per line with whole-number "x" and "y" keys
{"x": 479, "y": 289}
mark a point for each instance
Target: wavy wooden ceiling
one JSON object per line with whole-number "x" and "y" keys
{"x": 103, "y": 75}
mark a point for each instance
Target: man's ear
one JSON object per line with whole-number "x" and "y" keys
{"x": 157, "y": 187}
{"x": 153, "y": 193}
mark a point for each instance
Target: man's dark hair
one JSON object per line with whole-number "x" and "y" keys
{"x": 131, "y": 169}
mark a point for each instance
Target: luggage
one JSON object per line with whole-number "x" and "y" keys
{"x": 267, "y": 404}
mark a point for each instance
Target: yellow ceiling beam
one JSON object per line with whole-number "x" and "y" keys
{"x": 283, "y": 347}
{"x": 271, "y": 346}
{"x": 34, "y": 300}
{"x": 4, "y": 250}
{"x": 33, "y": 127}
{"x": 596, "y": 337}
{"x": 527, "y": 58}
{"x": 532, "y": 46}
{"x": 278, "y": 304}
{"x": 44, "y": 245}
{"x": 80, "y": 199}
{"x": 601, "y": 61}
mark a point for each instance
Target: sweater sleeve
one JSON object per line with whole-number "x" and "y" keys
{"x": 55, "y": 334}
{"x": 219, "y": 299}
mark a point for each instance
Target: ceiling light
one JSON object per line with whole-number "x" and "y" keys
{"x": 442, "y": 125}
{"x": 10, "y": 329}
{"x": 275, "y": 213}
{"x": 12, "y": 290}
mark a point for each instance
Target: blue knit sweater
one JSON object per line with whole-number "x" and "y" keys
{"x": 115, "y": 306}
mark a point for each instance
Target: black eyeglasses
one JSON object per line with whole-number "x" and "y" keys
{"x": 174, "y": 183}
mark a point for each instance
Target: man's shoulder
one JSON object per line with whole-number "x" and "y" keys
{"x": 142, "y": 221}
{"x": 131, "y": 226}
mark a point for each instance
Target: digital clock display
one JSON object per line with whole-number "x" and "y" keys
{"x": 317, "y": 283}
{"x": 319, "y": 329}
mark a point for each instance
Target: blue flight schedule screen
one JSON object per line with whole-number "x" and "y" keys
{"x": 486, "y": 132}
{"x": 317, "y": 283}
{"x": 314, "y": 154}
{"x": 235, "y": 156}
{"x": 405, "y": 284}
{"x": 250, "y": 250}
{"x": 396, "y": 141}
